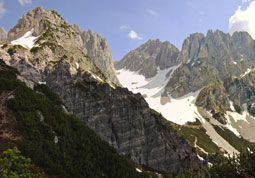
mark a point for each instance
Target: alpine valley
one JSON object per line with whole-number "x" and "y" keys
{"x": 161, "y": 113}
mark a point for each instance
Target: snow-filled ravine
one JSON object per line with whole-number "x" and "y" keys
{"x": 180, "y": 110}
{"x": 27, "y": 40}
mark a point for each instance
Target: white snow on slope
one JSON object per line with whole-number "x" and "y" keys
{"x": 138, "y": 170}
{"x": 180, "y": 110}
{"x": 221, "y": 142}
{"x": 247, "y": 72}
{"x": 77, "y": 65}
{"x": 27, "y": 40}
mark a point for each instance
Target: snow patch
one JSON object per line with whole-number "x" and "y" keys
{"x": 27, "y": 40}
{"x": 234, "y": 62}
{"x": 232, "y": 106}
{"x": 77, "y": 65}
{"x": 138, "y": 170}
{"x": 247, "y": 72}
{"x": 42, "y": 83}
{"x": 95, "y": 76}
{"x": 232, "y": 129}
{"x": 236, "y": 116}
{"x": 215, "y": 143}
{"x": 180, "y": 110}
{"x": 201, "y": 158}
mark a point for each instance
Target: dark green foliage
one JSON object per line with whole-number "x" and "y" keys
{"x": 35, "y": 49}
{"x": 196, "y": 123}
{"x": 14, "y": 165}
{"x": 188, "y": 174}
{"x": 224, "y": 168}
{"x": 49, "y": 94}
{"x": 239, "y": 166}
{"x": 203, "y": 140}
{"x": 13, "y": 49}
{"x": 237, "y": 142}
{"x": 78, "y": 153}
{"x": 7, "y": 77}
{"x": 4, "y": 46}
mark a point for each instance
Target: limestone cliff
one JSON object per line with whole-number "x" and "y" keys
{"x": 124, "y": 120}
{"x": 98, "y": 49}
{"x": 120, "y": 117}
{"x": 150, "y": 56}
{"x": 3, "y": 34}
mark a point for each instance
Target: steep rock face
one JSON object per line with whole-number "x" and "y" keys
{"x": 55, "y": 38}
{"x": 150, "y": 56}
{"x": 34, "y": 19}
{"x": 216, "y": 55}
{"x": 217, "y": 69}
{"x": 191, "y": 47}
{"x": 3, "y": 34}
{"x": 98, "y": 49}
{"x": 121, "y": 118}
{"x": 124, "y": 120}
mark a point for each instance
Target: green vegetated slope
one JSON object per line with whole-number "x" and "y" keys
{"x": 14, "y": 165}
{"x": 239, "y": 143}
{"x": 196, "y": 136}
{"x": 59, "y": 143}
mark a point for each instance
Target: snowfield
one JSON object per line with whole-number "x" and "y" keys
{"x": 27, "y": 40}
{"x": 180, "y": 110}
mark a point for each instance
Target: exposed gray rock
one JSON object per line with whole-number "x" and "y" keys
{"x": 98, "y": 50}
{"x": 124, "y": 120}
{"x": 214, "y": 56}
{"x": 150, "y": 56}
{"x": 3, "y": 34}
{"x": 121, "y": 118}
{"x": 57, "y": 38}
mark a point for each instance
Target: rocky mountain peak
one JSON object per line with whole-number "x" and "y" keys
{"x": 191, "y": 46}
{"x": 149, "y": 57}
{"x": 56, "y": 38}
{"x": 244, "y": 43}
{"x": 33, "y": 19}
{"x": 98, "y": 49}
{"x": 3, "y": 34}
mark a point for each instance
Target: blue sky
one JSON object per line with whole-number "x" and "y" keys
{"x": 129, "y": 23}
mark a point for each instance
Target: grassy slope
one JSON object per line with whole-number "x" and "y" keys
{"x": 237, "y": 142}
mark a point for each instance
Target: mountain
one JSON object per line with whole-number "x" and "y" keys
{"x": 211, "y": 85}
{"x": 150, "y": 56}
{"x": 37, "y": 122}
{"x": 98, "y": 49}
{"x": 3, "y": 34}
{"x": 47, "y": 50}
{"x": 58, "y": 38}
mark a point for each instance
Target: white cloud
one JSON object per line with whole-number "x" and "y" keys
{"x": 153, "y": 13}
{"x": 2, "y": 9}
{"x": 133, "y": 35}
{"x": 124, "y": 27}
{"x": 243, "y": 20}
{"x": 24, "y": 2}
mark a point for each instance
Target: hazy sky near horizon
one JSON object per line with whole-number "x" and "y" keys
{"x": 129, "y": 23}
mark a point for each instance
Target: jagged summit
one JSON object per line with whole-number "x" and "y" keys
{"x": 78, "y": 66}
{"x": 34, "y": 19}
{"x": 98, "y": 49}
{"x": 212, "y": 81}
{"x": 55, "y": 38}
{"x": 149, "y": 57}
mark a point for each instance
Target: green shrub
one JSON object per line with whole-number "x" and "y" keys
{"x": 14, "y": 165}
